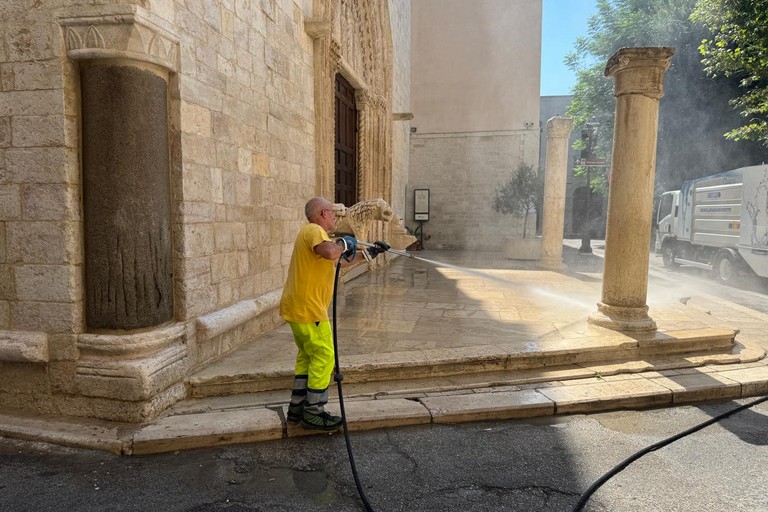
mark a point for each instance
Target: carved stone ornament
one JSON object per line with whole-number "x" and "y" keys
{"x": 124, "y": 36}
{"x": 639, "y": 70}
{"x": 357, "y": 220}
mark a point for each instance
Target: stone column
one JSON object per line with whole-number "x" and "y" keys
{"x": 126, "y": 195}
{"x": 125, "y": 63}
{"x": 639, "y": 84}
{"x": 558, "y": 132}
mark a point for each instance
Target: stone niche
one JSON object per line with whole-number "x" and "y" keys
{"x": 134, "y": 355}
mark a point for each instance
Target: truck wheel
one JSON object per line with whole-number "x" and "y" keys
{"x": 668, "y": 257}
{"x": 725, "y": 271}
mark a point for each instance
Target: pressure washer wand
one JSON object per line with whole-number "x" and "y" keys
{"x": 393, "y": 251}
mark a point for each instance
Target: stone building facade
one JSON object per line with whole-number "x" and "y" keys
{"x": 155, "y": 157}
{"x": 475, "y": 100}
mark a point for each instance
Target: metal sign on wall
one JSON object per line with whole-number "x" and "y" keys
{"x": 421, "y": 204}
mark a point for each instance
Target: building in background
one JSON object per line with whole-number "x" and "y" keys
{"x": 475, "y": 75}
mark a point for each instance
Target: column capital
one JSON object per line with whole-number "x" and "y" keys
{"x": 559, "y": 127}
{"x": 639, "y": 70}
{"x": 125, "y": 35}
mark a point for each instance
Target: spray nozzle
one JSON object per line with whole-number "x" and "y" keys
{"x": 393, "y": 251}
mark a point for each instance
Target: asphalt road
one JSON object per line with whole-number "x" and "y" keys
{"x": 530, "y": 466}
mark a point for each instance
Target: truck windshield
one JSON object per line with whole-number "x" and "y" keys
{"x": 665, "y": 208}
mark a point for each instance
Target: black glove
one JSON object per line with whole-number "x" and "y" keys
{"x": 378, "y": 248}
{"x": 350, "y": 247}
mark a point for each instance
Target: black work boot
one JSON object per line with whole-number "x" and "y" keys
{"x": 320, "y": 421}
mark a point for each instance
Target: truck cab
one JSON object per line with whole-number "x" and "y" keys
{"x": 666, "y": 222}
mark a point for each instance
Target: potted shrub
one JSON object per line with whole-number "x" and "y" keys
{"x": 521, "y": 197}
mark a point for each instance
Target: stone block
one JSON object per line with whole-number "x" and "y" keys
{"x": 42, "y": 131}
{"x": 207, "y": 429}
{"x": 196, "y": 302}
{"x": 5, "y": 314}
{"x": 6, "y": 283}
{"x": 31, "y": 42}
{"x": 603, "y": 396}
{"x": 23, "y": 378}
{"x": 36, "y": 75}
{"x": 195, "y": 119}
{"x": 133, "y": 379}
{"x": 23, "y": 347}
{"x": 488, "y": 406}
{"x": 42, "y": 165}
{"x": 32, "y": 103}
{"x": 52, "y": 317}
{"x": 44, "y": 242}
{"x": 48, "y": 283}
{"x": 198, "y": 240}
{"x": 223, "y": 234}
{"x": 90, "y": 434}
{"x": 195, "y": 91}
{"x": 10, "y": 202}
{"x": 63, "y": 347}
{"x": 119, "y": 410}
{"x": 196, "y": 183}
{"x": 50, "y": 202}
{"x": 5, "y": 132}
{"x": 62, "y": 377}
{"x": 754, "y": 381}
{"x": 393, "y": 412}
{"x": 198, "y": 150}
{"x": 224, "y": 266}
{"x": 699, "y": 386}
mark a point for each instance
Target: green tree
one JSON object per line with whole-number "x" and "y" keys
{"x": 738, "y": 47}
{"x": 522, "y": 195}
{"x": 695, "y": 110}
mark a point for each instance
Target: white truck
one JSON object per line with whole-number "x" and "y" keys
{"x": 718, "y": 223}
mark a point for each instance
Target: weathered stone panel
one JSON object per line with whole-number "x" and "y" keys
{"x": 126, "y": 198}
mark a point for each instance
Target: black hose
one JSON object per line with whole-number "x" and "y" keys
{"x": 338, "y": 377}
{"x": 620, "y": 467}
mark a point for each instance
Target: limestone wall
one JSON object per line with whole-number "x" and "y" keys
{"x": 244, "y": 134}
{"x": 462, "y": 170}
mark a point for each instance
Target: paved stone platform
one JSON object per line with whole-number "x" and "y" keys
{"x": 473, "y": 338}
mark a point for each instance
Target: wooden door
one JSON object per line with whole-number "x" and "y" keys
{"x": 345, "y": 147}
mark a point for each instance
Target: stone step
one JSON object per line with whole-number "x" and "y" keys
{"x": 248, "y": 371}
{"x": 514, "y": 394}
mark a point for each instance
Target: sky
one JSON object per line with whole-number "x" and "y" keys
{"x": 563, "y": 21}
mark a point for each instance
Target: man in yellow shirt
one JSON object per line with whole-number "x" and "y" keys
{"x": 304, "y": 305}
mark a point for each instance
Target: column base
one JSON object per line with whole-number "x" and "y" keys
{"x": 621, "y": 318}
{"x": 551, "y": 263}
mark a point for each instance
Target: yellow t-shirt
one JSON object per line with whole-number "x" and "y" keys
{"x": 309, "y": 287}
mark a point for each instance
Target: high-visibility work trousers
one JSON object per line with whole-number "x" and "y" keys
{"x": 314, "y": 364}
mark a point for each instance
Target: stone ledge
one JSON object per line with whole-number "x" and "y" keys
{"x": 501, "y": 405}
{"x": 207, "y": 429}
{"x": 23, "y": 347}
{"x": 217, "y": 323}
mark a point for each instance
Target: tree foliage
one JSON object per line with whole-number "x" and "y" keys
{"x": 738, "y": 47}
{"x": 522, "y": 195}
{"x": 695, "y": 110}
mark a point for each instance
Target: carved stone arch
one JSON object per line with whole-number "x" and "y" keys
{"x": 354, "y": 38}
